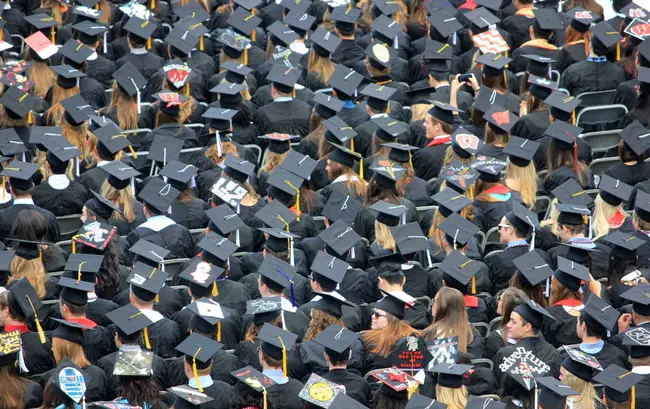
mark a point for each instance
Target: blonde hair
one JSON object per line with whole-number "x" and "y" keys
{"x": 66, "y": 349}
{"x": 384, "y": 237}
{"x": 451, "y": 155}
{"x": 226, "y": 148}
{"x": 551, "y": 220}
{"x": 323, "y": 66}
{"x": 40, "y": 74}
{"x": 55, "y": 8}
{"x": 202, "y": 3}
{"x": 245, "y": 93}
{"x": 223, "y": 58}
{"x": 419, "y": 111}
{"x": 76, "y": 135}
{"x": 523, "y": 181}
{"x": 586, "y": 397}
{"x": 603, "y": 211}
{"x": 126, "y": 108}
{"x": 273, "y": 160}
{"x": 33, "y": 269}
{"x": 360, "y": 185}
{"x": 123, "y": 199}
{"x": 54, "y": 115}
{"x": 454, "y": 398}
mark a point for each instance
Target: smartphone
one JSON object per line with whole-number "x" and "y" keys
{"x": 464, "y": 77}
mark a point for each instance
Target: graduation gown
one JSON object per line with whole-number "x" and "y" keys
{"x": 174, "y": 130}
{"x": 348, "y": 53}
{"x": 353, "y": 115}
{"x": 96, "y": 311}
{"x": 291, "y": 117}
{"x": 428, "y": 161}
{"x": 488, "y": 214}
{"x": 148, "y": 64}
{"x": 230, "y": 327}
{"x": 190, "y": 214}
{"x": 627, "y": 93}
{"x": 630, "y": 174}
{"x": 518, "y": 25}
{"x": 365, "y": 222}
{"x": 572, "y": 53}
{"x": 599, "y": 258}
{"x": 351, "y": 316}
{"x": 101, "y": 69}
{"x": 123, "y": 225}
{"x": 38, "y": 357}
{"x": 170, "y": 300}
{"x": 98, "y": 342}
{"x": 97, "y": 387}
{"x": 493, "y": 343}
{"x": 311, "y": 245}
{"x": 164, "y": 336}
{"x": 538, "y": 47}
{"x": 173, "y": 237}
{"x": 222, "y": 394}
{"x": 314, "y": 81}
{"x": 8, "y": 216}
{"x": 564, "y": 173}
{"x": 33, "y": 395}
{"x": 541, "y": 355}
{"x": 223, "y": 363}
{"x": 587, "y": 75}
{"x": 356, "y": 387}
{"x": 158, "y": 365}
{"x": 532, "y": 126}
{"x": 502, "y": 268}
{"x": 285, "y": 395}
{"x": 562, "y": 331}
{"x": 61, "y": 202}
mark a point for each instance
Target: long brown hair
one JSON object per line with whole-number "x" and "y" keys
{"x": 572, "y": 35}
{"x": 212, "y": 152}
{"x": 534, "y": 292}
{"x": 66, "y": 349}
{"x": 523, "y": 181}
{"x": 382, "y": 341}
{"x": 323, "y": 66}
{"x": 40, "y": 74}
{"x": 492, "y": 137}
{"x": 316, "y": 130}
{"x": 319, "y": 321}
{"x": 559, "y": 292}
{"x": 123, "y": 199}
{"x": 510, "y": 298}
{"x": 273, "y": 160}
{"x": 15, "y": 388}
{"x": 55, "y": 9}
{"x": 359, "y": 186}
{"x": 54, "y": 115}
{"x": 126, "y": 108}
{"x": 76, "y": 135}
{"x": 254, "y": 330}
{"x": 107, "y": 12}
{"x": 33, "y": 269}
{"x": 451, "y": 318}
{"x": 556, "y": 158}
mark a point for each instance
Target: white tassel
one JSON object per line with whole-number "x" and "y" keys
{"x": 105, "y": 42}
{"x": 396, "y": 42}
{"x": 218, "y": 144}
{"x": 133, "y": 185}
{"x": 193, "y": 182}
{"x": 293, "y": 263}
{"x": 453, "y": 39}
{"x": 352, "y": 254}
{"x": 536, "y": 396}
{"x": 237, "y": 238}
{"x": 404, "y": 218}
{"x": 237, "y": 210}
{"x": 137, "y": 94}
{"x": 77, "y": 163}
{"x": 429, "y": 258}
{"x": 547, "y": 291}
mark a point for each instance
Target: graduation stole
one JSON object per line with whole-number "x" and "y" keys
{"x": 539, "y": 43}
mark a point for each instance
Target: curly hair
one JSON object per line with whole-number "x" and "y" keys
{"x": 319, "y": 321}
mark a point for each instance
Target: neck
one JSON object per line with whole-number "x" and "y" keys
{"x": 10, "y": 321}
{"x": 26, "y": 196}
{"x": 587, "y": 339}
{"x": 392, "y": 287}
{"x": 332, "y": 367}
{"x": 267, "y": 367}
{"x": 524, "y": 6}
{"x": 351, "y": 37}
{"x": 577, "y": 236}
{"x": 143, "y": 306}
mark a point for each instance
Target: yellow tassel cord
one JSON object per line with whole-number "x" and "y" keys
{"x": 41, "y": 334}
{"x": 1, "y": 33}
{"x": 473, "y": 285}
{"x": 264, "y": 396}
{"x": 633, "y": 398}
{"x": 4, "y": 188}
{"x": 412, "y": 388}
{"x": 573, "y": 117}
{"x": 618, "y": 51}
{"x": 283, "y": 221}
{"x": 411, "y": 160}
{"x": 254, "y": 36}
{"x": 153, "y": 5}
{"x": 97, "y": 6}
{"x": 52, "y": 35}
{"x": 147, "y": 344}
{"x": 297, "y": 205}
{"x": 284, "y": 357}
{"x": 30, "y": 118}
{"x": 187, "y": 89}
{"x": 215, "y": 290}
{"x": 195, "y": 372}
{"x": 351, "y": 142}
{"x": 219, "y": 331}
{"x": 157, "y": 299}
{"x": 79, "y": 271}
{"x": 246, "y": 56}
{"x": 361, "y": 168}
{"x": 149, "y": 43}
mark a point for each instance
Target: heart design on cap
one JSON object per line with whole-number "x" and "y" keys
{"x": 178, "y": 76}
{"x": 501, "y": 117}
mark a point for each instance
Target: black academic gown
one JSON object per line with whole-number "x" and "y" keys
{"x": 537, "y": 47}
{"x": 630, "y": 174}
{"x": 158, "y": 365}
{"x": 294, "y": 321}
{"x": 301, "y": 288}
{"x": 174, "y": 130}
{"x": 348, "y": 53}
{"x": 175, "y": 238}
{"x": 587, "y": 76}
{"x": 33, "y": 395}
{"x": 61, "y": 202}
{"x": 428, "y": 161}
{"x": 627, "y": 93}
{"x": 356, "y": 387}
{"x": 562, "y": 330}
{"x": 488, "y": 214}
{"x": 290, "y": 117}
{"x": 285, "y": 395}
{"x": 98, "y": 342}
{"x": 230, "y": 326}
{"x": 311, "y": 245}
{"x": 564, "y": 173}
{"x": 571, "y": 54}
{"x": 518, "y": 25}
{"x": 223, "y": 363}
{"x": 101, "y": 69}
{"x": 532, "y": 126}
{"x": 9, "y": 215}
{"x": 584, "y": 152}
{"x": 541, "y": 355}
{"x": 190, "y": 214}
{"x": 170, "y": 300}
{"x": 38, "y": 357}
{"x": 147, "y": 63}
{"x": 502, "y": 268}
{"x": 222, "y": 394}
{"x": 97, "y": 387}
{"x": 353, "y": 116}
{"x": 365, "y": 222}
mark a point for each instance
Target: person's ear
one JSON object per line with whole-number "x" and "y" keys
{"x": 444, "y": 283}
{"x": 403, "y": 280}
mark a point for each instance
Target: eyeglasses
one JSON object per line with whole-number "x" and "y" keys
{"x": 378, "y": 314}
{"x": 503, "y": 226}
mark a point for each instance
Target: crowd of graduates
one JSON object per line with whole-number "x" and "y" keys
{"x": 300, "y": 204}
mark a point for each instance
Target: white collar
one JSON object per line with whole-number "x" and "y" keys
{"x": 283, "y": 99}
{"x": 7, "y": 6}
{"x": 299, "y": 47}
{"x": 6, "y": 199}
{"x": 641, "y": 369}
{"x": 24, "y": 201}
{"x": 104, "y": 162}
{"x": 378, "y": 116}
{"x": 58, "y": 182}
{"x": 344, "y": 178}
{"x": 139, "y": 51}
{"x": 92, "y": 57}
{"x": 442, "y": 85}
{"x": 154, "y": 316}
{"x": 157, "y": 223}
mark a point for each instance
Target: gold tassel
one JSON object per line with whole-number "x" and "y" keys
{"x": 187, "y": 89}
{"x": 633, "y": 398}
{"x": 201, "y": 43}
{"x": 352, "y": 145}
{"x": 79, "y": 271}
{"x": 97, "y": 6}
{"x": 153, "y": 5}
{"x": 147, "y": 344}
{"x": 284, "y": 357}
{"x": 573, "y": 117}
{"x": 264, "y": 396}
{"x": 74, "y": 247}
{"x": 361, "y": 168}
{"x": 254, "y": 36}
{"x": 412, "y": 388}
{"x": 411, "y": 160}
{"x": 215, "y": 290}
{"x": 53, "y": 35}
{"x": 30, "y": 118}
{"x": 297, "y": 205}
{"x": 195, "y": 372}
{"x": 41, "y": 334}
{"x": 135, "y": 155}
{"x": 473, "y": 284}
{"x": 157, "y": 299}
{"x": 618, "y": 51}
{"x": 149, "y": 43}
{"x": 219, "y": 331}
{"x": 1, "y": 35}
{"x": 245, "y": 56}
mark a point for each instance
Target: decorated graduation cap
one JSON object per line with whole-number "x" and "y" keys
{"x": 70, "y": 331}
{"x": 489, "y": 169}
{"x": 581, "y": 364}
{"x": 395, "y": 303}
{"x": 635, "y": 137}
{"x": 520, "y": 151}
{"x": 396, "y": 383}
{"x": 604, "y": 38}
{"x": 380, "y": 55}
{"x": 40, "y": 47}
{"x": 133, "y": 362}
{"x": 208, "y": 316}
{"x": 464, "y": 143}
{"x": 410, "y": 354}
{"x": 23, "y": 300}
{"x": 533, "y": 269}
{"x": 170, "y": 102}
{"x": 459, "y": 270}
{"x": 146, "y": 282}
{"x": 276, "y": 343}
{"x": 187, "y": 397}
{"x": 340, "y": 237}
{"x": 264, "y": 309}
{"x": 618, "y": 383}
{"x": 277, "y": 275}
{"x": 524, "y": 220}
{"x": 345, "y": 81}
{"x": 386, "y": 173}
{"x": 541, "y": 87}
{"x": 598, "y": 312}
{"x": 459, "y": 177}
{"x": 342, "y": 206}
{"x": 443, "y": 112}
{"x": 624, "y": 244}
{"x": 202, "y": 275}
{"x": 640, "y": 297}
{"x": 337, "y": 342}
{"x": 324, "y": 42}
{"x": 571, "y": 274}
{"x": 563, "y": 108}
{"x": 450, "y": 201}
{"x": 500, "y": 119}
{"x": 10, "y": 347}
{"x": 637, "y": 30}
{"x": 198, "y": 351}
{"x": 278, "y": 143}
{"x": 581, "y": 19}
{"x": 255, "y": 380}
{"x": 570, "y": 192}
{"x": 637, "y": 341}
{"x": 70, "y": 380}
{"x": 533, "y": 313}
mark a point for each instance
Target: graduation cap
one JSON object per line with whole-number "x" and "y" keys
{"x": 342, "y": 206}
{"x": 386, "y": 29}
{"x": 234, "y": 44}
{"x": 386, "y": 173}
{"x": 208, "y": 315}
{"x": 524, "y": 220}
{"x": 388, "y": 213}
{"x": 192, "y": 10}
{"x": 489, "y": 169}
{"x": 179, "y": 174}
{"x": 281, "y": 35}
{"x": 295, "y": 6}
{"x": 437, "y": 57}
{"x": 487, "y": 97}
{"x": 41, "y": 21}
{"x": 387, "y": 7}
{"x": 224, "y": 220}
{"x": 10, "y": 143}
{"x": 337, "y": 341}
{"x": 340, "y": 237}
{"x": 618, "y": 383}
{"x": 76, "y": 52}
{"x": 254, "y": 379}
{"x": 481, "y": 18}
{"x": 165, "y": 149}
{"x": 319, "y": 392}
{"x": 493, "y": 64}
{"x": 418, "y": 401}
{"x": 187, "y": 397}
{"x": 643, "y": 50}
{"x": 95, "y": 234}
{"x": 237, "y": 168}
{"x": 77, "y": 110}
{"x": 159, "y": 195}
{"x": 336, "y": 130}
{"x": 380, "y": 55}
{"x": 276, "y": 215}
{"x": 637, "y": 339}
{"x": 279, "y": 143}
{"x": 600, "y": 312}
{"x": 280, "y": 240}
{"x": 153, "y": 254}
{"x": 464, "y": 143}
{"x": 635, "y": 136}
{"x": 641, "y": 205}
{"x": 343, "y": 401}
{"x": 541, "y": 87}
{"x": 23, "y": 300}
{"x": 540, "y": 66}
{"x": 395, "y": 380}
{"x": 400, "y": 152}
{"x": 10, "y": 347}
{"x": 570, "y": 192}
{"x": 520, "y": 151}
{"x": 459, "y": 270}
{"x": 604, "y": 37}
{"x": 6, "y": 257}
{"x": 581, "y": 19}
{"x": 500, "y": 119}
{"x": 325, "y": 42}
{"x": 643, "y": 75}
{"x": 331, "y": 303}
{"x": 143, "y": 29}
{"x": 477, "y": 402}
{"x": 189, "y": 30}
{"x": 236, "y": 73}
{"x": 77, "y": 285}
{"x": 343, "y": 155}
{"x": 573, "y": 215}
{"x": 571, "y": 274}
{"x": 445, "y": 23}
{"x": 70, "y": 380}
{"x": 553, "y": 391}
{"x": 146, "y": 281}
{"x": 450, "y": 201}
{"x": 112, "y": 138}
{"x": 639, "y": 29}
{"x": 533, "y": 313}
{"x": 133, "y": 363}
{"x": 633, "y": 10}
{"x": 328, "y": 267}
{"x": 182, "y": 40}
{"x": 450, "y": 375}
{"x": 264, "y": 309}
{"x": 443, "y": 112}
{"x": 580, "y": 364}
{"x": 378, "y": 96}
{"x": 220, "y": 248}
{"x": 327, "y": 106}
{"x": 244, "y": 21}
{"x": 89, "y": 31}
{"x": 20, "y": 174}
{"x": 345, "y": 80}
{"x": 278, "y": 273}
{"x": 547, "y": 19}
{"x": 11, "y": 79}
{"x": 459, "y": 177}
{"x": 18, "y": 102}
{"x": 41, "y": 45}
{"x": 198, "y": 351}
{"x": 345, "y": 17}
{"x": 395, "y": 303}
{"x": 410, "y": 238}
{"x": 562, "y": 108}
{"x": 70, "y": 331}
{"x": 276, "y": 343}
{"x": 129, "y": 79}
{"x": 119, "y": 174}
{"x": 624, "y": 244}
{"x": 299, "y": 164}
{"x": 532, "y": 268}
{"x": 613, "y": 191}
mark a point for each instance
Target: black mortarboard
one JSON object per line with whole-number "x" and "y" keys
{"x": 327, "y": 106}
{"x": 532, "y": 268}
{"x": 182, "y": 41}
{"x": 520, "y": 151}
{"x": 345, "y": 16}
{"x": 386, "y": 27}
{"x": 487, "y": 97}
{"x": 192, "y": 10}
{"x": 112, "y": 138}
{"x": 278, "y": 143}
{"x": 388, "y": 213}
{"x": 129, "y": 79}
{"x": 336, "y": 130}
{"x": 285, "y": 186}
{"x": 140, "y": 28}
{"x": 281, "y": 35}
{"x": 41, "y": 21}
{"x": 84, "y": 263}
{"x": 153, "y": 254}
{"x": 146, "y": 281}
{"x": 637, "y": 339}
{"x": 481, "y": 18}
{"x": 459, "y": 270}
{"x": 276, "y": 215}
{"x": 158, "y": 195}
{"x": 580, "y": 364}
{"x": 571, "y": 274}
{"x": 345, "y": 80}
{"x": 89, "y": 31}
{"x": 493, "y": 64}
{"x": 6, "y": 257}
{"x": 602, "y": 312}
{"x": 337, "y": 339}
{"x": 18, "y": 103}
{"x": 340, "y": 237}
{"x": 236, "y": 73}
{"x": 199, "y": 350}
{"x": 220, "y": 248}
{"x": 548, "y": 19}
{"x": 624, "y": 244}
{"x": 489, "y": 169}
{"x": 458, "y": 230}
{"x": 445, "y": 24}
{"x": 77, "y": 110}
{"x": 613, "y": 191}
{"x": 343, "y": 155}
{"x": 20, "y": 174}
{"x": 500, "y": 119}
{"x": 264, "y": 309}
{"x": 394, "y": 303}
{"x": 643, "y": 50}
{"x": 573, "y": 215}
{"x": 299, "y": 164}
{"x": 635, "y": 136}
{"x": 450, "y": 375}
{"x": 133, "y": 362}
{"x": 164, "y": 149}
{"x": 410, "y": 238}
{"x": 533, "y": 313}
{"x": 324, "y": 42}
{"x": 387, "y": 7}
{"x": 581, "y": 19}
{"x": 60, "y": 151}
{"x": 562, "y": 108}
{"x": 237, "y": 168}
{"x": 278, "y": 272}
{"x": 187, "y": 397}
{"x": 604, "y": 37}
{"x": 329, "y": 267}
{"x": 642, "y": 205}
{"x": 477, "y": 402}
{"x": 378, "y": 96}
{"x": 300, "y": 22}
{"x": 70, "y": 380}
{"x": 570, "y": 192}
{"x": 76, "y": 51}
{"x": 224, "y": 219}
{"x": 539, "y": 65}
{"x": 443, "y": 112}
{"x": 523, "y": 219}
{"x": 540, "y": 86}
{"x": 553, "y": 392}
{"x": 276, "y": 342}
{"x": 179, "y": 174}
{"x": 70, "y": 331}
{"x": 296, "y": 6}
{"x": 450, "y": 200}
{"x": 643, "y": 74}
{"x": 23, "y": 300}
{"x": 341, "y": 206}
{"x": 400, "y": 152}
{"x": 618, "y": 382}
{"x": 244, "y": 21}
{"x": 418, "y": 401}
{"x": 119, "y": 174}
{"x": 279, "y": 240}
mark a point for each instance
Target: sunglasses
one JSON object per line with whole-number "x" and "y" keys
{"x": 378, "y": 314}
